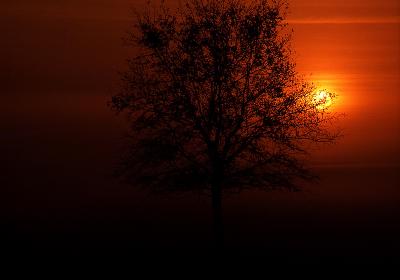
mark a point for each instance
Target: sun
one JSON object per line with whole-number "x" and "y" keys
{"x": 322, "y": 99}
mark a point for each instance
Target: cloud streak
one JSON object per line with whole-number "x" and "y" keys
{"x": 386, "y": 20}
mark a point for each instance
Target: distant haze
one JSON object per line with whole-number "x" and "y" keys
{"x": 74, "y": 48}
{"x": 59, "y": 143}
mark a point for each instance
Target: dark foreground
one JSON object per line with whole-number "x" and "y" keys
{"x": 353, "y": 215}
{"x": 58, "y": 196}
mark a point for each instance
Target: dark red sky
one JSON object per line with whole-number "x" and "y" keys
{"x": 58, "y": 67}
{"x": 59, "y": 49}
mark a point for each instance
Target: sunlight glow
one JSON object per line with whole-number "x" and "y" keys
{"x": 322, "y": 99}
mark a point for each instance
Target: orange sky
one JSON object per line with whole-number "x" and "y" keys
{"x": 353, "y": 48}
{"x": 64, "y": 51}
{"x": 304, "y": 10}
{"x": 58, "y": 67}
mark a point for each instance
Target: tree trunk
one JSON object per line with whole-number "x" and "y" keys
{"x": 216, "y": 193}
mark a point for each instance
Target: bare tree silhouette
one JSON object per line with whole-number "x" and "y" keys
{"x": 215, "y": 103}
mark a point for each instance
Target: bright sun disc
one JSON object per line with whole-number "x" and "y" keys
{"x": 322, "y": 99}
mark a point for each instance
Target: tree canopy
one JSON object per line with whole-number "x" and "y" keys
{"x": 214, "y": 98}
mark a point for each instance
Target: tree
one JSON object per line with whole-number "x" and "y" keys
{"x": 215, "y": 102}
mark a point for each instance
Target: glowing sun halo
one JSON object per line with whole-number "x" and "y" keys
{"x": 322, "y": 99}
